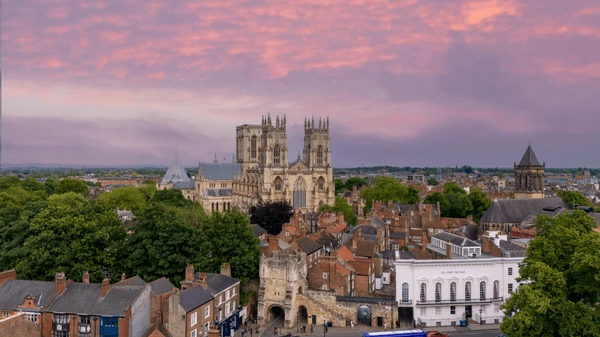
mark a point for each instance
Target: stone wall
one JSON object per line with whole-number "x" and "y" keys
{"x": 18, "y": 326}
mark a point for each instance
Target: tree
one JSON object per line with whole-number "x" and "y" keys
{"x": 70, "y": 236}
{"x": 271, "y": 215}
{"x": 340, "y": 187}
{"x": 171, "y": 197}
{"x": 226, "y": 237}
{"x": 560, "y": 293}
{"x": 71, "y": 185}
{"x": 413, "y": 196}
{"x": 436, "y": 197}
{"x": 459, "y": 205}
{"x": 341, "y": 205}
{"x": 161, "y": 244}
{"x": 385, "y": 189}
{"x": 480, "y": 203}
{"x": 355, "y": 181}
{"x": 574, "y": 199}
{"x": 432, "y": 182}
{"x": 129, "y": 198}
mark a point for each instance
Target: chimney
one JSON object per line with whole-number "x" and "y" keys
{"x": 202, "y": 280}
{"x": 273, "y": 244}
{"x": 105, "y": 286}
{"x": 390, "y": 203}
{"x": 226, "y": 269}
{"x": 189, "y": 273}
{"x": 448, "y": 250}
{"x": 123, "y": 277}
{"x": 61, "y": 283}
{"x": 86, "y": 277}
{"x": 7, "y": 275}
{"x": 439, "y": 211}
{"x": 379, "y": 235}
{"x": 355, "y": 240}
{"x": 340, "y": 218}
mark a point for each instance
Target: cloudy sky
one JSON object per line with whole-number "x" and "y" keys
{"x": 404, "y": 82}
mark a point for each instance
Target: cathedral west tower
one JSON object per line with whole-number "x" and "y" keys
{"x": 529, "y": 177}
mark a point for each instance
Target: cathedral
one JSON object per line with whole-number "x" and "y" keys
{"x": 267, "y": 174}
{"x": 529, "y": 177}
{"x": 261, "y": 170}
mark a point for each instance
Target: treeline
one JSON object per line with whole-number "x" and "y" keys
{"x": 53, "y": 227}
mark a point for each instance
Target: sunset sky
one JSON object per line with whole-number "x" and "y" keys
{"x": 404, "y": 82}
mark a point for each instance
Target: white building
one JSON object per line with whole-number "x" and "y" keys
{"x": 441, "y": 292}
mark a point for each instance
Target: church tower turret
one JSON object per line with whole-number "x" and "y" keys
{"x": 529, "y": 177}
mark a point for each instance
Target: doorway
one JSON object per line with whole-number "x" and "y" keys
{"x": 468, "y": 311}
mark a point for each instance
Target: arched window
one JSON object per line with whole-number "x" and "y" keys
{"x": 423, "y": 292}
{"x": 468, "y": 291}
{"x": 496, "y": 289}
{"x": 438, "y": 292}
{"x": 320, "y": 155}
{"x": 404, "y": 292}
{"x": 217, "y": 206}
{"x": 299, "y": 194}
{"x": 228, "y": 205}
{"x": 321, "y": 183}
{"x": 212, "y": 207}
{"x": 453, "y": 292}
{"x": 276, "y": 155}
{"x": 253, "y": 147}
{"x": 278, "y": 184}
{"x": 482, "y": 290}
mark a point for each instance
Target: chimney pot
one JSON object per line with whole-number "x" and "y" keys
{"x": 123, "y": 277}
{"x": 61, "y": 283}
{"x": 189, "y": 273}
{"x": 86, "y": 277}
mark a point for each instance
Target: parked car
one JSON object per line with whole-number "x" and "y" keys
{"x": 434, "y": 333}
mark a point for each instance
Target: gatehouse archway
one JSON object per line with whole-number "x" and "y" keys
{"x": 363, "y": 315}
{"x": 275, "y": 312}
{"x": 302, "y": 315}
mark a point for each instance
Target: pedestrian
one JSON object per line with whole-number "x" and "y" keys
{"x": 275, "y": 330}
{"x": 352, "y": 324}
{"x": 384, "y": 326}
{"x": 311, "y": 328}
{"x": 243, "y": 332}
{"x": 246, "y": 322}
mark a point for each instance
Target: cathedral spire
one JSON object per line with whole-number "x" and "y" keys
{"x": 215, "y": 160}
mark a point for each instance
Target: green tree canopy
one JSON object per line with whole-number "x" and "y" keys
{"x": 341, "y": 205}
{"x": 161, "y": 244}
{"x": 226, "y": 237}
{"x": 561, "y": 291}
{"x": 574, "y": 198}
{"x": 130, "y": 198}
{"x": 432, "y": 182}
{"x": 355, "y": 181}
{"x": 436, "y": 197}
{"x": 171, "y": 197}
{"x": 271, "y": 215}
{"x": 71, "y": 185}
{"x": 339, "y": 186}
{"x": 480, "y": 203}
{"x": 386, "y": 189}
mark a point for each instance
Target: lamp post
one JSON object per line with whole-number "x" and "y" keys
{"x": 480, "y": 319}
{"x": 324, "y": 326}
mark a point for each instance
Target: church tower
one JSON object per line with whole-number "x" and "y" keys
{"x": 274, "y": 151}
{"x": 529, "y": 177}
{"x": 317, "y": 151}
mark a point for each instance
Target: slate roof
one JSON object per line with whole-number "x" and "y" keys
{"x": 78, "y": 298}
{"x": 220, "y": 171}
{"x": 216, "y": 283}
{"x": 308, "y": 245}
{"x": 175, "y": 173}
{"x": 117, "y": 300}
{"x": 517, "y": 210}
{"x": 258, "y": 230}
{"x": 161, "y": 286}
{"x": 365, "y": 229}
{"x": 194, "y": 297}
{"x": 365, "y": 248}
{"x": 132, "y": 281}
{"x": 397, "y": 235}
{"x": 509, "y": 249}
{"x": 13, "y": 292}
{"x": 218, "y": 192}
{"x": 470, "y": 231}
{"x": 529, "y": 158}
{"x": 184, "y": 185}
{"x": 456, "y": 240}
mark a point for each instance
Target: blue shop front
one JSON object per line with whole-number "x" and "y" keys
{"x": 230, "y": 323}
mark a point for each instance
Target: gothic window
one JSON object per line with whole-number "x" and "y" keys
{"x": 423, "y": 293}
{"x": 276, "y": 155}
{"x": 482, "y": 290}
{"x": 320, "y": 155}
{"x": 438, "y": 292}
{"x": 404, "y": 292}
{"x": 321, "y": 183}
{"x": 253, "y": 147}
{"x": 278, "y": 184}
{"x": 299, "y": 194}
{"x": 468, "y": 291}
{"x": 453, "y": 291}
{"x": 496, "y": 289}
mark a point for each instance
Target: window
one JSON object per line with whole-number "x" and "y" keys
{"x": 496, "y": 307}
{"x": 438, "y": 311}
{"x": 423, "y": 311}
{"x": 84, "y": 326}
{"x": 253, "y": 147}
{"x": 232, "y": 292}
{"x": 468, "y": 291}
{"x": 510, "y": 271}
{"x": 324, "y": 287}
{"x": 404, "y": 292}
{"x": 276, "y": 155}
{"x": 207, "y": 311}
{"x": 482, "y": 308}
{"x": 482, "y": 290}
{"x": 227, "y": 309}
{"x": 423, "y": 293}
{"x": 320, "y": 155}
{"x": 453, "y": 291}
{"x": 287, "y": 233}
{"x": 438, "y": 292}
{"x": 193, "y": 334}
{"x": 510, "y": 287}
{"x": 32, "y": 317}
{"x": 220, "y": 315}
{"x": 496, "y": 289}
{"x": 278, "y": 184}
{"x": 452, "y": 310}
{"x": 194, "y": 319}
{"x": 325, "y": 275}
{"x": 321, "y": 183}
{"x": 62, "y": 333}
{"x": 227, "y": 295}
{"x": 5, "y": 314}
{"x": 299, "y": 194}
{"x": 220, "y": 299}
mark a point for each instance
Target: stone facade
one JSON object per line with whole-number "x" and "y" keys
{"x": 529, "y": 177}
{"x": 18, "y": 326}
